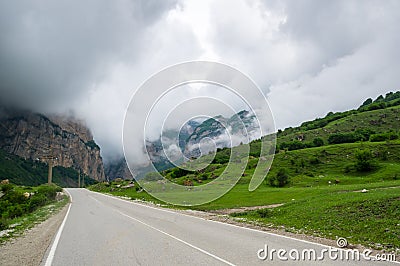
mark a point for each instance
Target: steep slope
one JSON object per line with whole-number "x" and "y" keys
{"x": 32, "y": 173}
{"x": 117, "y": 169}
{"x": 374, "y": 127}
{"x": 35, "y": 136}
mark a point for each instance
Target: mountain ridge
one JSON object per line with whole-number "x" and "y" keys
{"x": 34, "y": 136}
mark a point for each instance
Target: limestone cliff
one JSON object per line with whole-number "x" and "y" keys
{"x": 35, "y": 136}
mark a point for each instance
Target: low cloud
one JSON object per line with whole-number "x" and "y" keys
{"x": 87, "y": 59}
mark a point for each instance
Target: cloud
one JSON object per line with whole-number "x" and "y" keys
{"x": 308, "y": 57}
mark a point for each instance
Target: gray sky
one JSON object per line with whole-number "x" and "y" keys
{"x": 88, "y": 57}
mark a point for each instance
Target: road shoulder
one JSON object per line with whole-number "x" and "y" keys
{"x": 30, "y": 248}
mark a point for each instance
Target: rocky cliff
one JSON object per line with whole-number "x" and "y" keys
{"x": 35, "y": 136}
{"x": 118, "y": 169}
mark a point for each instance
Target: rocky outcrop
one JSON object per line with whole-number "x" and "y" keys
{"x": 242, "y": 126}
{"x": 118, "y": 169}
{"x": 35, "y": 136}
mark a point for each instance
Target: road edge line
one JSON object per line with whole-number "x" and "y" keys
{"x": 219, "y": 222}
{"x": 54, "y": 245}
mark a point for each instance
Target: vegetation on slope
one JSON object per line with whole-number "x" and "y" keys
{"x": 32, "y": 173}
{"x": 21, "y": 207}
{"x": 319, "y": 172}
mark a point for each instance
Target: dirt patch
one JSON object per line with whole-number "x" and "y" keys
{"x": 30, "y": 248}
{"x": 245, "y": 209}
{"x": 224, "y": 217}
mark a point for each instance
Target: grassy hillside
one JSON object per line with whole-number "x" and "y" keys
{"x": 323, "y": 180}
{"x": 32, "y": 173}
{"x": 21, "y": 207}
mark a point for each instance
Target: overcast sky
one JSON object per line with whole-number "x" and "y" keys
{"x": 87, "y": 57}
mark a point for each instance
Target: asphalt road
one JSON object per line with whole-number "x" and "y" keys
{"x": 102, "y": 230}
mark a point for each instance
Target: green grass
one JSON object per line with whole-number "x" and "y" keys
{"x": 312, "y": 201}
{"x": 20, "y": 224}
{"x": 380, "y": 121}
{"x": 370, "y": 218}
{"x": 321, "y": 198}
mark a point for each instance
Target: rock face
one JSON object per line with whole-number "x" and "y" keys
{"x": 35, "y": 136}
{"x": 242, "y": 126}
{"x": 118, "y": 169}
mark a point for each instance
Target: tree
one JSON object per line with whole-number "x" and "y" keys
{"x": 364, "y": 161}
{"x": 318, "y": 142}
{"x": 280, "y": 179}
{"x": 380, "y": 98}
{"x": 367, "y": 102}
{"x": 338, "y": 138}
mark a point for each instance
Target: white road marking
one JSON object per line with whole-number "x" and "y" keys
{"x": 178, "y": 239}
{"x": 233, "y": 225}
{"x": 50, "y": 257}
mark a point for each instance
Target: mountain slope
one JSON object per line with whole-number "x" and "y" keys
{"x": 303, "y": 158}
{"x": 35, "y": 136}
{"x": 32, "y": 173}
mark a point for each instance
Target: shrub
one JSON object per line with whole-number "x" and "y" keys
{"x": 223, "y": 155}
{"x": 293, "y": 145}
{"x": 338, "y": 138}
{"x": 383, "y": 137}
{"x": 280, "y": 179}
{"x": 318, "y": 142}
{"x": 37, "y": 201}
{"x": 364, "y": 161}
{"x": 179, "y": 172}
{"x": 3, "y": 224}
{"x": 6, "y": 187}
{"x": 264, "y": 213}
{"x": 203, "y": 176}
{"x": 50, "y": 191}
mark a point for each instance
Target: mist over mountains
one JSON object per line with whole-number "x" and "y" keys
{"x": 194, "y": 139}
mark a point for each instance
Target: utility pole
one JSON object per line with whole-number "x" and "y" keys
{"x": 50, "y": 161}
{"x": 79, "y": 178}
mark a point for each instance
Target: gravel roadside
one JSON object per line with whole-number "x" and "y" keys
{"x": 30, "y": 248}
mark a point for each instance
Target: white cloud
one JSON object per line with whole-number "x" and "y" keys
{"x": 309, "y": 57}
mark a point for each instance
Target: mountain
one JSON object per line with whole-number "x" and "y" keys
{"x": 170, "y": 146}
{"x": 242, "y": 126}
{"x": 324, "y": 147}
{"x": 28, "y": 172}
{"x": 117, "y": 169}
{"x": 34, "y": 136}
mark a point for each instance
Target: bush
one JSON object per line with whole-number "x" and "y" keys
{"x": 339, "y": 138}
{"x": 318, "y": 142}
{"x": 179, "y": 172}
{"x": 264, "y": 213}
{"x": 223, "y": 155}
{"x": 50, "y": 191}
{"x": 37, "y": 201}
{"x": 6, "y": 187}
{"x": 383, "y": 137}
{"x": 364, "y": 161}
{"x": 203, "y": 176}
{"x": 280, "y": 179}
{"x": 293, "y": 145}
{"x": 3, "y": 224}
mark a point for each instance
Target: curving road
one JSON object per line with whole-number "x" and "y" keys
{"x": 103, "y": 230}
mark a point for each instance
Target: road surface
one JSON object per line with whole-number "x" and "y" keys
{"x": 103, "y": 230}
